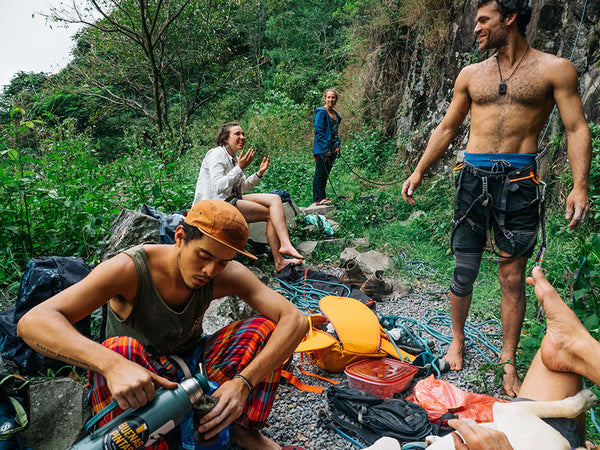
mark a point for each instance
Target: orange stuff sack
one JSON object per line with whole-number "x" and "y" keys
{"x": 439, "y": 397}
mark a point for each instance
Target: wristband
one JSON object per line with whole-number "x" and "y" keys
{"x": 259, "y": 176}
{"x": 245, "y": 380}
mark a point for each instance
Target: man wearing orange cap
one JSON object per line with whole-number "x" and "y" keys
{"x": 157, "y": 296}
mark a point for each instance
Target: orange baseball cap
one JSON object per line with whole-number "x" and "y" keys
{"x": 221, "y": 221}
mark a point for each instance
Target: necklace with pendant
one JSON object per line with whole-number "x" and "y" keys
{"x": 502, "y": 86}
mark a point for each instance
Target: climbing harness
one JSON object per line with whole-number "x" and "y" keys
{"x": 498, "y": 208}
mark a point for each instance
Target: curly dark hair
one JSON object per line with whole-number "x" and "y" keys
{"x": 520, "y": 7}
{"x": 224, "y": 133}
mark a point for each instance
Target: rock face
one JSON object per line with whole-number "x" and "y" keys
{"x": 429, "y": 79}
{"x": 131, "y": 228}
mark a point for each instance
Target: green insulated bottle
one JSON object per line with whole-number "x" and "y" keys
{"x": 137, "y": 428}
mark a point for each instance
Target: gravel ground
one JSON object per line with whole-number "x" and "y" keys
{"x": 295, "y": 416}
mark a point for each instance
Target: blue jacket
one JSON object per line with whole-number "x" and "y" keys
{"x": 323, "y": 141}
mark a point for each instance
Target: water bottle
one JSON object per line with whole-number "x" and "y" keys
{"x": 140, "y": 427}
{"x": 190, "y": 438}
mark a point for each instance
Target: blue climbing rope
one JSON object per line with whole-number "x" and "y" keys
{"x": 474, "y": 336}
{"x": 305, "y": 296}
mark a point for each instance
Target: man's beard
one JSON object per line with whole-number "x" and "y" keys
{"x": 495, "y": 41}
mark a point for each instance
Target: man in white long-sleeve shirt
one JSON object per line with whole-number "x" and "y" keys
{"x": 222, "y": 177}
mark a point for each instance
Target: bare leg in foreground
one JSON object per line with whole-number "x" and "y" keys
{"x": 567, "y": 353}
{"x": 567, "y": 346}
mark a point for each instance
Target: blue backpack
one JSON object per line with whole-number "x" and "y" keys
{"x": 43, "y": 278}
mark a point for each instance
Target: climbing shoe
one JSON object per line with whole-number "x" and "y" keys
{"x": 352, "y": 274}
{"x": 376, "y": 285}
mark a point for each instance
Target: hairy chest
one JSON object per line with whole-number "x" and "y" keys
{"x": 526, "y": 87}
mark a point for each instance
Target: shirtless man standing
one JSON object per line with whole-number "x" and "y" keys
{"x": 509, "y": 96}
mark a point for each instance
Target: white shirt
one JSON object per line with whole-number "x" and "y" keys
{"x": 220, "y": 177}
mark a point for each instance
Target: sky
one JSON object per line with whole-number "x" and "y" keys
{"x": 29, "y": 44}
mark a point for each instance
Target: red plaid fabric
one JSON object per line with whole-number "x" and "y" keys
{"x": 226, "y": 353}
{"x": 230, "y": 350}
{"x": 134, "y": 351}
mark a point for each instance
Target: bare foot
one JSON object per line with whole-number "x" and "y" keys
{"x": 251, "y": 438}
{"x": 566, "y": 343}
{"x": 454, "y": 357}
{"x": 290, "y": 251}
{"x": 512, "y": 383}
{"x": 280, "y": 265}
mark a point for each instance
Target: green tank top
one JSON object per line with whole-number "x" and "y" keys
{"x": 155, "y": 324}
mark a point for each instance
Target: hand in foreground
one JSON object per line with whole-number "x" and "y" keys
{"x": 409, "y": 186}
{"x": 232, "y": 397}
{"x": 477, "y": 437}
{"x": 245, "y": 160}
{"x": 578, "y": 208}
{"x": 132, "y": 386}
{"x": 264, "y": 165}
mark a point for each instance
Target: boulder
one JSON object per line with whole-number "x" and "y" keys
{"x": 369, "y": 261}
{"x": 57, "y": 414}
{"x": 360, "y": 242}
{"x": 372, "y": 260}
{"x": 307, "y": 248}
{"x": 401, "y": 288}
{"x": 213, "y": 321}
{"x": 324, "y": 210}
{"x": 128, "y": 229}
{"x": 224, "y": 311}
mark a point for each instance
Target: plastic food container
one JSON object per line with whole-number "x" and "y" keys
{"x": 381, "y": 377}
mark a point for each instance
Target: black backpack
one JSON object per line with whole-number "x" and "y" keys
{"x": 43, "y": 278}
{"x": 369, "y": 417}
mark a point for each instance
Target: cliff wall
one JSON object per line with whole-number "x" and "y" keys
{"x": 556, "y": 27}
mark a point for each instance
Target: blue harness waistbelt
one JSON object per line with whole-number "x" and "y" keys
{"x": 503, "y": 160}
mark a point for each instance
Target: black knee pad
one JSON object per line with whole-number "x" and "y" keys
{"x": 465, "y": 273}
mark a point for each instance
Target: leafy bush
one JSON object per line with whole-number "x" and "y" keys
{"x": 277, "y": 124}
{"x": 370, "y": 152}
{"x": 586, "y": 286}
{"x": 61, "y": 199}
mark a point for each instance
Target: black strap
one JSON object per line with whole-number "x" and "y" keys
{"x": 499, "y": 213}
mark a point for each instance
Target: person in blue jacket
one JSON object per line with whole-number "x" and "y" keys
{"x": 326, "y": 144}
